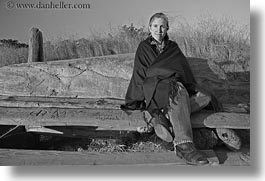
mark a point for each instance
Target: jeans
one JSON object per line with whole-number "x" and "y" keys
{"x": 180, "y": 108}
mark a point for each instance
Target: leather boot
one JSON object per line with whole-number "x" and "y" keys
{"x": 190, "y": 154}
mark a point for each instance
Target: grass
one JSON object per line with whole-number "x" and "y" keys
{"x": 125, "y": 40}
{"x": 143, "y": 143}
{"x": 223, "y": 41}
{"x": 9, "y": 55}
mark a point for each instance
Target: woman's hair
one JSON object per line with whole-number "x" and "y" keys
{"x": 159, "y": 15}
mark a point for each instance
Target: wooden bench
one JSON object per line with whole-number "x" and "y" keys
{"x": 51, "y": 97}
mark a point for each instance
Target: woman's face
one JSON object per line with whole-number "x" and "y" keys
{"x": 158, "y": 29}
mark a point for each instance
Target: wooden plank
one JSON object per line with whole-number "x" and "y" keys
{"x": 98, "y": 103}
{"x": 111, "y": 119}
{"x": 107, "y": 76}
{"x": 228, "y": 120}
{"x": 42, "y": 129}
{"x": 98, "y": 119}
{"x": 13, "y": 157}
{"x": 240, "y": 108}
{"x": 60, "y": 102}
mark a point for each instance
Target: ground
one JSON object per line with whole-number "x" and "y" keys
{"x": 132, "y": 142}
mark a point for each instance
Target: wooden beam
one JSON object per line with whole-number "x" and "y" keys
{"x": 230, "y": 138}
{"x": 98, "y": 119}
{"x": 228, "y": 120}
{"x": 107, "y": 76}
{"x": 97, "y": 103}
{"x": 60, "y": 102}
{"x": 35, "y": 46}
{"x": 42, "y": 129}
{"x": 110, "y": 119}
{"x": 12, "y": 157}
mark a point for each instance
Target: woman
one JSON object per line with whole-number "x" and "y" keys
{"x": 163, "y": 84}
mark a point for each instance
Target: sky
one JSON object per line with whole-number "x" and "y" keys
{"x": 104, "y": 15}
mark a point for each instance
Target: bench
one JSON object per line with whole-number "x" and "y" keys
{"x": 58, "y": 96}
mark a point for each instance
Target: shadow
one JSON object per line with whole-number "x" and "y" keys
{"x": 222, "y": 156}
{"x": 45, "y": 137}
{"x": 9, "y": 135}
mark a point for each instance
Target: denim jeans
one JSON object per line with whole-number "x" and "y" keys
{"x": 180, "y": 108}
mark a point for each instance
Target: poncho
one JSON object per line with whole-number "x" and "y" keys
{"x": 152, "y": 74}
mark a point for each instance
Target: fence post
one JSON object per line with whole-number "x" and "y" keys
{"x": 35, "y": 46}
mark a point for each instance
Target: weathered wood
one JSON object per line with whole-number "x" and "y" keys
{"x": 35, "y": 46}
{"x": 14, "y": 157}
{"x": 230, "y": 138}
{"x": 60, "y": 102}
{"x": 109, "y": 119}
{"x": 240, "y": 108}
{"x": 96, "y": 103}
{"x": 42, "y": 129}
{"x": 98, "y": 119}
{"x": 228, "y": 120}
{"x": 106, "y": 76}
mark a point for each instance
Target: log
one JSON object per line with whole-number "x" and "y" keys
{"x": 15, "y": 157}
{"x": 109, "y": 119}
{"x": 60, "y": 102}
{"x": 106, "y": 77}
{"x": 97, "y": 103}
{"x": 98, "y": 119}
{"x": 228, "y": 120}
{"x": 229, "y": 138}
{"x": 35, "y": 46}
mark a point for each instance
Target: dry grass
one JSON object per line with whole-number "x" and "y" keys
{"x": 223, "y": 41}
{"x": 10, "y": 55}
{"x": 129, "y": 143}
{"x": 124, "y": 40}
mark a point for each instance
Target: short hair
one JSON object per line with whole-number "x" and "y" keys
{"x": 158, "y": 15}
